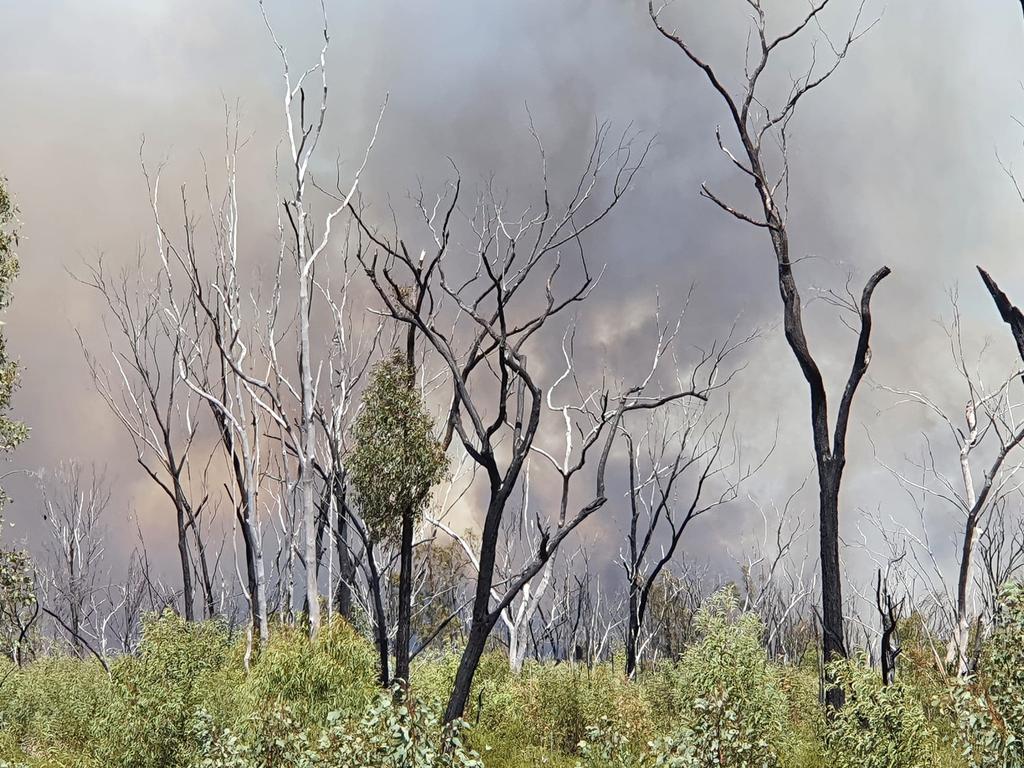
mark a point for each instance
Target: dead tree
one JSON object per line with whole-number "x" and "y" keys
{"x": 352, "y": 348}
{"x": 497, "y": 403}
{"x": 889, "y": 613}
{"x": 307, "y": 247}
{"x": 1001, "y": 553}
{"x": 678, "y": 471}
{"x": 521, "y": 534}
{"x": 74, "y": 502}
{"x": 988, "y": 435}
{"x": 209, "y": 313}
{"x": 757, "y": 127}
{"x": 155, "y": 409}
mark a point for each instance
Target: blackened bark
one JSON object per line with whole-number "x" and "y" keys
{"x": 250, "y": 571}
{"x": 380, "y": 617}
{"x": 346, "y": 566}
{"x": 890, "y": 649}
{"x": 404, "y": 629}
{"x": 829, "y": 451}
{"x": 632, "y": 632}
{"x": 205, "y": 577}
{"x": 833, "y": 645}
{"x": 483, "y": 619}
{"x": 479, "y": 631}
{"x": 403, "y": 635}
{"x": 1010, "y": 314}
{"x": 187, "y": 591}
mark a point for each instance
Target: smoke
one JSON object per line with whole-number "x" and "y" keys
{"x": 893, "y": 161}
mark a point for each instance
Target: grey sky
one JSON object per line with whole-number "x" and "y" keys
{"x": 894, "y": 162}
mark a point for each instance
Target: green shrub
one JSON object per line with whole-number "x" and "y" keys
{"x": 989, "y": 710}
{"x": 180, "y": 668}
{"x": 547, "y": 709}
{"x": 394, "y": 732}
{"x": 728, "y": 698}
{"x": 52, "y": 705}
{"x": 880, "y": 726}
{"x": 337, "y": 672}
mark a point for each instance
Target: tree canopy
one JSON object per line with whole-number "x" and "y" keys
{"x": 396, "y": 459}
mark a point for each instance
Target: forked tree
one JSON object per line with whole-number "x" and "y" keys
{"x": 760, "y": 123}
{"x": 479, "y": 312}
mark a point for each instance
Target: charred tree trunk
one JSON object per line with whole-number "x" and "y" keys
{"x": 483, "y": 619}
{"x": 833, "y": 645}
{"x": 632, "y": 631}
{"x": 479, "y": 631}
{"x": 380, "y": 616}
{"x": 890, "y": 649}
{"x": 745, "y": 111}
{"x": 346, "y": 566}
{"x": 404, "y": 633}
{"x": 187, "y": 591}
{"x": 206, "y": 578}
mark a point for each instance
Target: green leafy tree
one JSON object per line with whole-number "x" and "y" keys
{"x": 12, "y": 433}
{"x": 17, "y": 591}
{"x": 395, "y": 463}
{"x": 989, "y": 710}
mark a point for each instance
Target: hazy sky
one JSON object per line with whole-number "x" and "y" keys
{"x": 894, "y": 161}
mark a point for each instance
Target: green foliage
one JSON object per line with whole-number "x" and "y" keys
{"x": 52, "y": 705}
{"x": 17, "y": 600}
{"x": 17, "y": 590}
{"x": 394, "y": 732}
{"x": 311, "y": 678}
{"x": 989, "y": 710}
{"x": 176, "y": 672}
{"x": 185, "y": 700}
{"x": 12, "y": 433}
{"x": 606, "y": 746}
{"x": 396, "y": 459}
{"x": 727, "y": 697}
{"x": 879, "y": 727}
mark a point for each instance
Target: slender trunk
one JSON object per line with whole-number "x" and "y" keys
{"x": 483, "y": 619}
{"x": 632, "y": 631}
{"x": 833, "y": 646}
{"x": 956, "y": 651}
{"x": 206, "y": 578}
{"x": 74, "y": 607}
{"x": 312, "y": 588}
{"x": 516, "y": 649}
{"x": 308, "y": 449}
{"x": 404, "y": 628}
{"x": 288, "y": 575}
{"x": 346, "y": 567}
{"x": 380, "y": 618}
{"x": 243, "y": 470}
{"x": 255, "y": 577}
{"x": 322, "y": 514}
{"x": 187, "y": 592}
